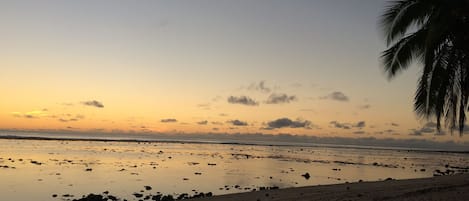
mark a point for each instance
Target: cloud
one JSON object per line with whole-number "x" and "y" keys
{"x": 217, "y": 98}
{"x": 336, "y": 95}
{"x": 287, "y": 123}
{"x": 243, "y": 100}
{"x": 336, "y": 124}
{"x": 66, "y": 104}
{"x": 93, "y": 103}
{"x": 217, "y": 123}
{"x": 415, "y": 132}
{"x": 237, "y": 122}
{"x": 69, "y": 118}
{"x": 394, "y": 124}
{"x": 340, "y": 125}
{"x": 202, "y": 122}
{"x": 259, "y": 87}
{"x": 168, "y": 120}
{"x": 360, "y": 124}
{"x": 427, "y": 128}
{"x": 280, "y": 98}
{"x": 364, "y": 107}
{"x": 35, "y": 114}
{"x": 204, "y": 106}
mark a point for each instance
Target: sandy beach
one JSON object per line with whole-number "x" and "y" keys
{"x": 454, "y": 187}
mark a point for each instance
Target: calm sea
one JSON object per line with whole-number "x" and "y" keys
{"x": 43, "y": 169}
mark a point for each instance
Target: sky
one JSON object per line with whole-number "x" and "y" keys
{"x": 207, "y": 66}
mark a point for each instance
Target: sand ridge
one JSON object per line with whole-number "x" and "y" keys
{"x": 455, "y": 188}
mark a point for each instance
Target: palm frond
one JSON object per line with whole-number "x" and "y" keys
{"x": 399, "y": 56}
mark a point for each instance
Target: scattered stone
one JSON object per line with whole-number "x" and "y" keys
{"x": 306, "y": 175}
{"x": 113, "y": 198}
{"x": 148, "y": 188}
{"x": 138, "y": 195}
{"x": 183, "y": 196}
{"x": 36, "y": 163}
{"x": 167, "y": 198}
{"x": 92, "y": 197}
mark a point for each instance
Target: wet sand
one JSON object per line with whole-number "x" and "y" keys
{"x": 455, "y": 188}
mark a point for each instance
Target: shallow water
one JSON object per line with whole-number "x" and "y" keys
{"x": 41, "y": 168}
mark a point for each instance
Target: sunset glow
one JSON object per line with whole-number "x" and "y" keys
{"x": 304, "y": 68}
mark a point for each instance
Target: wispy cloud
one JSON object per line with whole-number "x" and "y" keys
{"x": 394, "y": 124}
{"x": 204, "y": 106}
{"x": 427, "y": 128}
{"x": 237, "y": 122}
{"x": 217, "y": 123}
{"x": 280, "y": 98}
{"x": 365, "y": 106}
{"x": 287, "y": 123}
{"x": 93, "y": 103}
{"x": 170, "y": 120}
{"x": 202, "y": 122}
{"x": 261, "y": 86}
{"x": 336, "y": 124}
{"x": 243, "y": 100}
{"x": 360, "y": 124}
{"x": 35, "y": 114}
{"x": 337, "y": 96}
{"x": 69, "y": 117}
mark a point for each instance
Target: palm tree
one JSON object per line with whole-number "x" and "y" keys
{"x": 434, "y": 33}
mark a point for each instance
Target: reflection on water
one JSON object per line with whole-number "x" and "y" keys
{"x": 39, "y": 169}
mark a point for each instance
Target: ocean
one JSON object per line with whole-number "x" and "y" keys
{"x": 67, "y": 168}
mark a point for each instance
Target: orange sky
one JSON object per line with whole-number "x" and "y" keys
{"x": 310, "y": 67}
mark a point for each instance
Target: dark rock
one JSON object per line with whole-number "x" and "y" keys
{"x": 306, "y": 175}
{"x": 183, "y": 196}
{"x": 167, "y": 198}
{"x": 156, "y": 197}
{"x": 148, "y": 188}
{"x": 138, "y": 195}
{"x": 36, "y": 163}
{"x": 92, "y": 197}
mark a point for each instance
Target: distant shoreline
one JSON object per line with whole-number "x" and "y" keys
{"x": 191, "y": 141}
